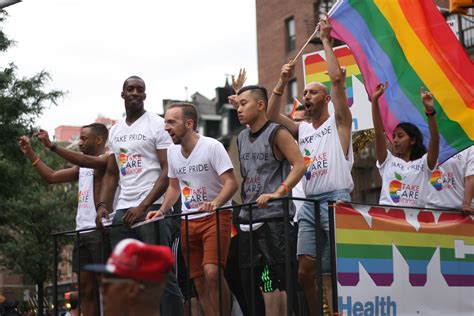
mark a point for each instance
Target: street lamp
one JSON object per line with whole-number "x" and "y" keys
{"x": 6, "y": 3}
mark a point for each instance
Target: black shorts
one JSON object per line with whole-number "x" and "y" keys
{"x": 94, "y": 247}
{"x": 268, "y": 244}
{"x": 268, "y": 254}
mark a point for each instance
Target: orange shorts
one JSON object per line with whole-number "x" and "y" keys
{"x": 203, "y": 242}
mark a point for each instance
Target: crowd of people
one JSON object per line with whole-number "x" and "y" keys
{"x": 139, "y": 169}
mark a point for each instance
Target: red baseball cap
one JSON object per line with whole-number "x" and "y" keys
{"x": 136, "y": 260}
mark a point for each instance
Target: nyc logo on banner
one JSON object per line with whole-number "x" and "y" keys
{"x": 315, "y": 69}
{"x": 394, "y": 261}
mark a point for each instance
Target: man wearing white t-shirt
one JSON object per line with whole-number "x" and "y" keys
{"x": 327, "y": 150}
{"x": 452, "y": 183}
{"x": 201, "y": 171}
{"x": 139, "y": 144}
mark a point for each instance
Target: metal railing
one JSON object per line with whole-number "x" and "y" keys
{"x": 250, "y": 207}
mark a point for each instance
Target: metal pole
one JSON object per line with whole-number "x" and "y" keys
{"x": 289, "y": 288}
{"x": 55, "y": 275}
{"x": 252, "y": 268}
{"x": 188, "y": 279}
{"x": 219, "y": 268}
{"x": 319, "y": 265}
{"x": 332, "y": 233}
{"x": 79, "y": 271}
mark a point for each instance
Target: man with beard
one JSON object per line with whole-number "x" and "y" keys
{"x": 326, "y": 146}
{"x": 139, "y": 145}
{"x": 201, "y": 170}
{"x": 266, "y": 153}
{"x": 88, "y": 170}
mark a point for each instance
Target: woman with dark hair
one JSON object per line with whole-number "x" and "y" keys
{"x": 406, "y": 169}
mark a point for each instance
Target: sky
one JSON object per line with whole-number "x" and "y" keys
{"x": 90, "y": 47}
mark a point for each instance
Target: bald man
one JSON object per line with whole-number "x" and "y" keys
{"x": 326, "y": 146}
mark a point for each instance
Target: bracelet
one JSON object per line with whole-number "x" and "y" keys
{"x": 277, "y": 92}
{"x": 283, "y": 184}
{"x": 53, "y": 147}
{"x": 35, "y": 162}
{"x": 432, "y": 113}
{"x": 216, "y": 202}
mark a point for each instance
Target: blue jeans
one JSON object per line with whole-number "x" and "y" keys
{"x": 306, "y": 233}
{"x": 172, "y": 299}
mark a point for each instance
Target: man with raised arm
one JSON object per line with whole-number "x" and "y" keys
{"x": 139, "y": 145}
{"x": 94, "y": 246}
{"x": 267, "y": 151}
{"x": 201, "y": 171}
{"x": 326, "y": 147}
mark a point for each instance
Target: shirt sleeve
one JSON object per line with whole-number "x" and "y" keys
{"x": 382, "y": 166}
{"x": 171, "y": 173}
{"x": 220, "y": 160}
{"x": 470, "y": 162}
{"x": 162, "y": 138}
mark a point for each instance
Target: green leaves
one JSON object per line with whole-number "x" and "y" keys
{"x": 398, "y": 176}
{"x": 30, "y": 209}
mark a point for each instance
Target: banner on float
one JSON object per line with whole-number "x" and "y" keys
{"x": 315, "y": 69}
{"x": 394, "y": 261}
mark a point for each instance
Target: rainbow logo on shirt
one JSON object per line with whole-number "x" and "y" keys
{"x": 123, "y": 161}
{"x": 394, "y": 188}
{"x": 186, "y": 193}
{"x": 307, "y": 162}
{"x": 436, "y": 180}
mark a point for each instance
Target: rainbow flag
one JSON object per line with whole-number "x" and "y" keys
{"x": 409, "y": 45}
{"x": 368, "y": 235}
{"x": 316, "y": 69}
{"x": 296, "y": 103}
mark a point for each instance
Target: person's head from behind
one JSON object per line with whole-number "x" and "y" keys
{"x": 181, "y": 119}
{"x": 300, "y": 114}
{"x": 252, "y": 103}
{"x": 93, "y": 138}
{"x": 316, "y": 98}
{"x": 135, "y": 277}
{"x": 408, "y": 141}
{"x": 133, "y": 94}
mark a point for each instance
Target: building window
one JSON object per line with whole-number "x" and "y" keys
{"x": 290, "y": 34}
{"x": 292, "y": 90}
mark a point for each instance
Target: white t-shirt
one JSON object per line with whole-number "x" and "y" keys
{"x": 446, "y": 185}
{"x": 198, "y": 174}
{"x": 404, "y": 183}
{"x": 135, "y": 148}
{"x": 86, "y": 213}
{"x": 328, "y": 168}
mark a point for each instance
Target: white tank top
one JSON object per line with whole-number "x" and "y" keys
{"x": 86, "y": 213}
{"x": 328, "y": 168}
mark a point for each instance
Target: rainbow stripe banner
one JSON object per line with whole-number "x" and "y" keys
{"x": 399, "y": 253}
{"x": 316, "y": 69}
{"x": 409, "y": 45}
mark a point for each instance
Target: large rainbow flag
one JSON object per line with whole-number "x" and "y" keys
{"x": 409, "y": 45}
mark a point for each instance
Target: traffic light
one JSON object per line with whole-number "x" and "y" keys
{"x": 460, "y": 6}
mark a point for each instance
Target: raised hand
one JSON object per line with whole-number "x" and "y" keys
{"x": 287, "y": 72}
{"x": 233, "y": 101}
{"x": 25, "y": 144}
{"x": 427, "y": 99}
{"x": 43, "y": 137}
{"x": 379, "y": 90}
{"x": 324, "y": 28}
{"x": 239, "y": 83}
